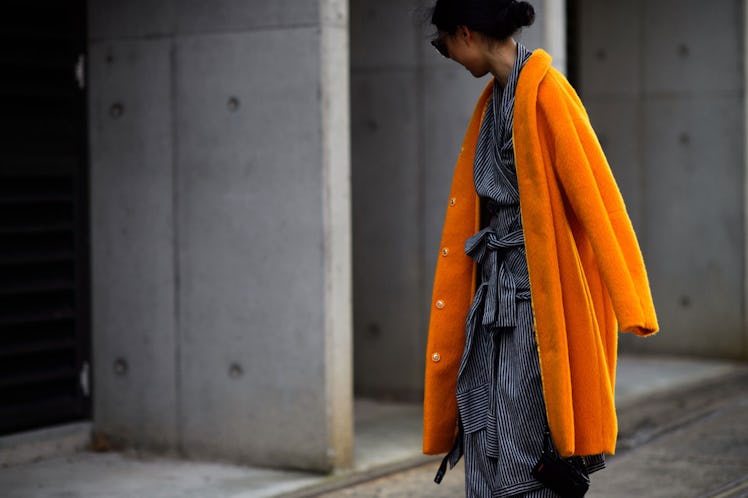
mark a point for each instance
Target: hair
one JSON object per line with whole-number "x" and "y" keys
{"x": 497, "y": 19}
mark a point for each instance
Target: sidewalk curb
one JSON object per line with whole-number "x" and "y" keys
{"x": 347, "y": 478}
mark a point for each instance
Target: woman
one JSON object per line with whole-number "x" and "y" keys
{"x": 523, "y": 330}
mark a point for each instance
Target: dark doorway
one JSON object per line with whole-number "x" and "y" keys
{"x": 44, "y": 282}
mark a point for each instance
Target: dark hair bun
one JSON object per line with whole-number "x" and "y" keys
{"x": 498, "y": 19}
{"x": 521, "y": 14}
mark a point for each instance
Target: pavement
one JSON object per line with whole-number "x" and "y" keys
{"x": 686, "y": 440}
{"x": 683, "y": 433}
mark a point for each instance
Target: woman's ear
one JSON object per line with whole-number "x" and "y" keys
{"x": 464, "y": 35}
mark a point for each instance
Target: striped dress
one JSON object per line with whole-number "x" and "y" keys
{"x": 499, "y": 390}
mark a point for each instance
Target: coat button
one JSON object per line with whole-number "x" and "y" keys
{"x": 452, "y": 201}
{"x": 436, "y": 357}
{"x": 445, "y": 251}
{"x": 440, "y": 304}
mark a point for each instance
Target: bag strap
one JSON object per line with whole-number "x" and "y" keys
{"x": 548, "y": 446}
{"x": 454, "y": 454}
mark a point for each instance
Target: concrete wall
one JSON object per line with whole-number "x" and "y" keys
{"x": 663, "y": 82}
{"x": 410, "y": 108}
{"x": 221, "y": 228}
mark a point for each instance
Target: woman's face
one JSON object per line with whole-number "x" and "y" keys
{"x": 465, "y": 48}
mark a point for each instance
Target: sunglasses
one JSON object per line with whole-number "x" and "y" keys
{"x": 441, "y": 46}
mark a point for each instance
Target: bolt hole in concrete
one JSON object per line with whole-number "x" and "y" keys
{"x": 374, "y": 330}
{"x": 683, "y": 50}
{"x": 372, "y": 125}
{"x": 116, "y": 110}
{"x": 685, "y": 301}
{"x": 233, "y": 104}
{"x": 235, "y": 371}
{"x": 120, "y": 367}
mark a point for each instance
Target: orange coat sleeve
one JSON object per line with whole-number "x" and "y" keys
{"x": 590, "y": 189}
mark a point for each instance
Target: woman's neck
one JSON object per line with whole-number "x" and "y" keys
{"x": 501, "y": 57}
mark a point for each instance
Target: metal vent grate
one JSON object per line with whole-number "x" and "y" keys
{"x": 44, "y": 344}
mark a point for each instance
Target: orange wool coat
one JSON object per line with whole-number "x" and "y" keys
{"x": 587, "y": 275}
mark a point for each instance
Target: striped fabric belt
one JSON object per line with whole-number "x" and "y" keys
{"x": 497, "y": 293}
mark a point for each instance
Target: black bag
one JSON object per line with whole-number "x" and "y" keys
{"x": 558, "y": 474}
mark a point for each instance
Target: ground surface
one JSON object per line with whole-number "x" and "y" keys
{"x": 685, "y": 443}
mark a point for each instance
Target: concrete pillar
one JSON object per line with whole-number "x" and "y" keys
{"x": 554, "y": 30}
{"x": 410, "y": 108}
{"x": 221, "y": 229}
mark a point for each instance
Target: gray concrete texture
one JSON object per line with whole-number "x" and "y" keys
{"x": 143, "y": 18}
{"x": 132, "y": 233}
{"x": 220, "y": 201}
{"x": 243, "y": 199}
{"x": 668, "y": 105}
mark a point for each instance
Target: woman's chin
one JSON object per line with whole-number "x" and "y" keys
{"x": 478, "y": 74}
